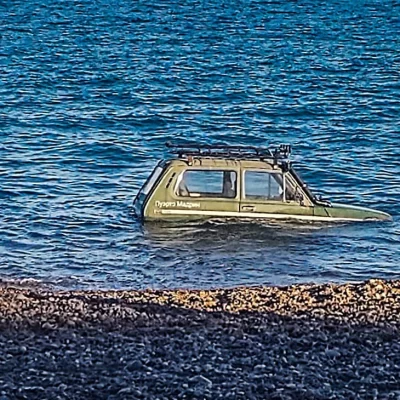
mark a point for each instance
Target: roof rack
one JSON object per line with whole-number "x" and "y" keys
{"x": 276, "y": 154}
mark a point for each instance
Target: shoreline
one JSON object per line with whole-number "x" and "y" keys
{"x": 294, "y": 342}
{"x": 370, "y": 301}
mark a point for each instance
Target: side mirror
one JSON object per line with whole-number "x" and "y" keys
{"x": 322, "y": 201}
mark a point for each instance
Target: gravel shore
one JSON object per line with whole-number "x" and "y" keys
{"x": 297, "y": 342}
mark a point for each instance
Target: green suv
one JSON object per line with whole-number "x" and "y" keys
{"x": 203, "y": 182}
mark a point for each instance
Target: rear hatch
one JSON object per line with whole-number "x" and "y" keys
{"x": 140, "y": 200}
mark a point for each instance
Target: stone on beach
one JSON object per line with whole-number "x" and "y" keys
{"x": 296, "y": 342}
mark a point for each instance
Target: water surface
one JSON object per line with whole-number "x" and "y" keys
{"x": 91, "y": 90}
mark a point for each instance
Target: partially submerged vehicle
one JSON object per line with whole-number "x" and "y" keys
{"x": 203, "y": 182}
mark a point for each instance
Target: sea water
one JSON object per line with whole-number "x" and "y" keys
{"x": 90, "y": 91}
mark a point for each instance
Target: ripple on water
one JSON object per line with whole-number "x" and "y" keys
{"x": 90, "y": 93}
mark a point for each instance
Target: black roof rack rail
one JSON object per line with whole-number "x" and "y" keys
{"x": 241, "y": 152}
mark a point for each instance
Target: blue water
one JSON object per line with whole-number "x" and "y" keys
{"x": 91, "y": 90}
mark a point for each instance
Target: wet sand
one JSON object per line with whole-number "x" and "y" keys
{"x": 297, "y": 342}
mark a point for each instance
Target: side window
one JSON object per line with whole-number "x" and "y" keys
{"x": 263, "y": 185}
{"x": 207, "y": 183}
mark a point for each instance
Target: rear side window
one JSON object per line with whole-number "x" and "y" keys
{"x": 263, "y": 185}
{"x": 207, "y": 183}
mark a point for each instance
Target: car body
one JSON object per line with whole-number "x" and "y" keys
{"x": 203, "y": 182}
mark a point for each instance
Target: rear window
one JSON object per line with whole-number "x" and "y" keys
{"x": 152, "y": 180}
{"x": 207, "y": 183}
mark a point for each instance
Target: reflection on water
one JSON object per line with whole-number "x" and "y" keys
{"x": 230, "y": 233}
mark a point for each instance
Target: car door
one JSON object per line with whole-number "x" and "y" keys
{"x": 272, "y": 194}
{"x": 207, "y": 192}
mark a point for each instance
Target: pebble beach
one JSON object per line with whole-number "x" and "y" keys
{"x": 90, "y": 91}
{"x": 295, "y": 342}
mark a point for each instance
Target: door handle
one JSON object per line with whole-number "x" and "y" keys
{"x": 248, "y": 208}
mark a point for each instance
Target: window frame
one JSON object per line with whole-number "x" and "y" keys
{"x": 217, "y": 196}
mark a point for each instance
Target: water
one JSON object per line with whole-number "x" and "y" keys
{"x": 91, "y": 90}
